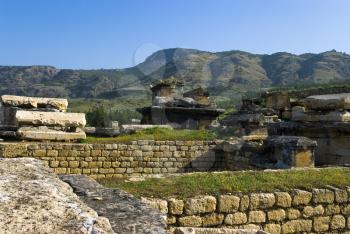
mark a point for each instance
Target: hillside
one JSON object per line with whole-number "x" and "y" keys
{"x": 227, "y": 74}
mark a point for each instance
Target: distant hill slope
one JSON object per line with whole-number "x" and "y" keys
{"x": 227, "y": 74}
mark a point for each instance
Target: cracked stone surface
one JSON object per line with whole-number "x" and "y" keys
{"x": 126, "y": 213}
{"x": 34, "y": 200}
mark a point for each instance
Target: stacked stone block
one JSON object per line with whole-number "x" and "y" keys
{"x": 298, "y": 211}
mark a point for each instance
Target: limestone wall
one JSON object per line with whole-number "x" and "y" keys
{"x": 297, "y": 211}
{"x": 121, "y": 160}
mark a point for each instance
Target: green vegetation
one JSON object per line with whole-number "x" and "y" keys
{"x": 160, "y": 134}
{"x": 100, "y": 111}
{"x": 189, "y": 185}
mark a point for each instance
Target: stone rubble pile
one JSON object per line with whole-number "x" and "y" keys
{"x": 32, "y": 118}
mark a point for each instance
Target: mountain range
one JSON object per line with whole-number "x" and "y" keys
{"x": 227, "y": 74}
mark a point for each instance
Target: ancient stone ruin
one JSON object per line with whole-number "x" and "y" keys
{"x": 296, "y": 129}
{"x": 33, "y": 118}
{"x": 191, "y": 110}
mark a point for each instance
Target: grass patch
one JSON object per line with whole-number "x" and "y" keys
{"x": 161, "y": 134}
{"x": 189, "y": 185}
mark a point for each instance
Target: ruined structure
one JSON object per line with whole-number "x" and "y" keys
{"x": 279, "y": 118}
{"x": 191, "y": 110}
{"x": 32, "y": 118}
{"x": 325, "y": 119}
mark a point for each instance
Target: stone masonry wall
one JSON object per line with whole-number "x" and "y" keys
{"x": 121, "y": 160}
{"x": 297, "y": 211}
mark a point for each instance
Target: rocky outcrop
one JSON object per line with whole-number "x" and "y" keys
{"x": 33, "y": 200}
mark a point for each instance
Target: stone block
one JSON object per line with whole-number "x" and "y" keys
{"x": 73, "y": 164}
{"x": 213, "y": 219}
{"x": 38, "y": 118}
{"x": 257, "y": 216}
{"x": 340, "y": 195}
{"x": 283, "y": 199}
{"x": 272, "y": 228}
{"x": 158, "y": 204}
{"x": 170, "y": 220}
{"x": 190, "y": 221}
{"x": 244, "y": 204}
{"x": 297, "y": 226}
{"x": 200, "y": 204}
{"x": 228, "y": 203}
{"x": 52, "y": 153}
{"x": 276, "y": 215}
{"x": 236, "y": 218}
{"x": 332, "y": 209}
{"x": 176, "y": 206}
{"x": 321, "y": 224}
{"x": 261, "y": 200}
{"x": 323, "y": 196}
{"x": 44, "y": 133}
{"x": 345, "y": 209}
{"x": 293, "y": 213}
{"x": 310, "y": 211}
{"x": 292, "y": 151}
{"x": 337, "y": 222}
{"x": 301, "y": 197}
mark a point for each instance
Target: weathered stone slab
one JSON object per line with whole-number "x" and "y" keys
{"x": 299, "y": 114}
{"x": 44, "y": 133}
{"x": 34, "y": 200}
{"x": 126, "y": 213}
{"x": 35, "y": 102}
{"x": 328, "y": 102}
{"x": 38, "y": 118}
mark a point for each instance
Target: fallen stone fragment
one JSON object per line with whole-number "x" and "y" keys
{"x": 62, "y": 119}
{"x": 35, "y": 102}
{"x": 45, "y": 133}
{"x": 34, "y": 200}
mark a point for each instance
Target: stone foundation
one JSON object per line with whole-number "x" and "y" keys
{"x": 297, "y": 211}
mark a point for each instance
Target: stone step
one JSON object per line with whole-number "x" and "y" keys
{"x": 35, "y": 102}
{"x": 38, "y": 118}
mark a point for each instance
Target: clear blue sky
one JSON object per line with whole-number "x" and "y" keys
{"x": 119, "y": 33}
